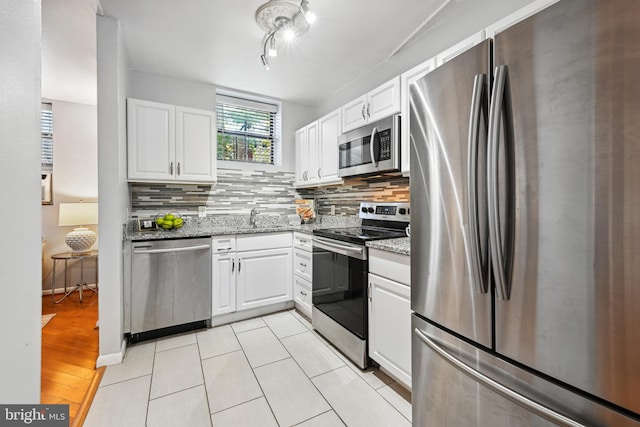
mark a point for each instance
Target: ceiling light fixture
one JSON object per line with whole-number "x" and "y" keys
{"x": 282, "y": 19}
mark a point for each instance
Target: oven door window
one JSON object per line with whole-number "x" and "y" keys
{"x": 339, "y": 289}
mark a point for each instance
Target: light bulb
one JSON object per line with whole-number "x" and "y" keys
{"x": 288, "y": 34}
{"x": 310, "y": 16}
{"x": 273, "y": 51}
{"x": 265, "y": 62}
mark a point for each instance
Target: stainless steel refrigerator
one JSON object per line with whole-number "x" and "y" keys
{"x": 525, "y": 203}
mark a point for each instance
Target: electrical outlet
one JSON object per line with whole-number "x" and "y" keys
{"x": 202, "y": 211}
{"x": 333, "y": 209}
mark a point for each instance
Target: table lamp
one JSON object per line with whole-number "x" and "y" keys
{"x": 81, "y": 238}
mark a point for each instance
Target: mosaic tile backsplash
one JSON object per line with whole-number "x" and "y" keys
{"x": 239, "y": 191}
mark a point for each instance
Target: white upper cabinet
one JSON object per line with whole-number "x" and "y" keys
{"x": 302, "y": 156}
{"x": 379, "y": 103}
{"x": 317, "y": 152}
{"x": 307, "y": 156}
{"x": 517, "y": 16}
{"x": 151, "y": 141}
{"x": 328, "y": 138}
{"x": 166, "y": 143}
{"x": 459, "y": 47}
{"x": 406, "y": 79}
{"x": 196, "y": 155}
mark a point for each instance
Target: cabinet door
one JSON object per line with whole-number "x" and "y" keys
{"x": 329, "y": 133}
{"x": 313, "y": 167}
{"x": 150, "y": 141}
{"x": 354, "y": 114}
{"x": 390, "y": 327}
{"x": 264, "y": 277}
{"x": 223, "y": 284}
{"x": 384, "y": 100}
{"x": 301, "y": 157}
{"x": 195, "y": 145}
{"x": 406, "y": 79}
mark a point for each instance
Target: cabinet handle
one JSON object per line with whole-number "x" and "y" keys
{"x": 303, "y": 240}
{"x": 303, "y": 264}
{"x": 239, "y": 265}
{"x": 368, "y": 109}
{"x": 319, "y": 175}
{"x": 233, "y": 265}
{"x": 303, "y": 293}
{"x": 171, "y": 168}
{"x": 363, "y": 117}
{"x": 224, "y": 249}
{"x": 178, "y": 168}
{"x": 369, "y": 291}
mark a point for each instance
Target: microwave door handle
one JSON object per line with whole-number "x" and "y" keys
{"x": 371, "y": 147}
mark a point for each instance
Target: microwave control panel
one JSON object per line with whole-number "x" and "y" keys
{"x": 384, "y": 151}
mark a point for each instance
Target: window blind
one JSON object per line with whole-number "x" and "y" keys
{"x": 248, "y": 131}
{"x": 46, "y": 139}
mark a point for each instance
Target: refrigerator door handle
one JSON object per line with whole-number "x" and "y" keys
{"x": 495, "y": 386}
{"x": 480, "y": 284}
{"x": 495, "y": 234}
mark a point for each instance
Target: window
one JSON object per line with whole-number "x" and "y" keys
{"x": 248, "y": 131}
{"x": 46, "y": 138}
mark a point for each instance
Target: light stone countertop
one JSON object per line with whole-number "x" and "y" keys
{"x": 400, "y": 245}
{"x": 197, "y": 227}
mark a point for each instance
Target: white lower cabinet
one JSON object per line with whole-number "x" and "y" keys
{"x": 302, "y": 295}
{"x": 258, "y": 274}
{"x": 390, "y": 315}
{"x": 264, "y": 277}
{"x": 302, "y": 272}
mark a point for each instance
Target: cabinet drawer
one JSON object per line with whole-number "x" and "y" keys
{"x": 302, "y": 295}
{"x": 303, "y": 264}
{"x": 396, "y": 267}
{"x": 302, "y": 241}
{"x": 256, "y": 242}
{"x": 223, "y": 244}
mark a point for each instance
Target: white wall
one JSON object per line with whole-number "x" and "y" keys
{"x": 154, "y": 87}
{"x": 20, "y": 294}
{"x": 112, "y": 185}
{"x": 456, "y": 22}
{"x": 75, "y": 178}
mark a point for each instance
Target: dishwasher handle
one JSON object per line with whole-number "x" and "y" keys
{"x": 167, "y": 250}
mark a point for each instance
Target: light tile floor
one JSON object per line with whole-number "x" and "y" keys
{"x": 274, "y": 370}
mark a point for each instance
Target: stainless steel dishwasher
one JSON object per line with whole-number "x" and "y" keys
{"x": 170, "y": 286}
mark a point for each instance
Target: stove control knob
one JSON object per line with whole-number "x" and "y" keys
{"x": 364, "y": 210}
{"x": 403, "y": 211}
{"x": 370, "y": 210}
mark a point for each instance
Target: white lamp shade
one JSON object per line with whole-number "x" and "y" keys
{"x": 78, "y": 214}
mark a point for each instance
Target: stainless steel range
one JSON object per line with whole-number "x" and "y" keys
{"x": 340, "y": 269}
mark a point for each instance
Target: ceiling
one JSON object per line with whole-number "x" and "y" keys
{"x": 219, "y": 42}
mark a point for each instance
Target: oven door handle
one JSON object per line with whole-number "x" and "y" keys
{"x": 331, "y": 245}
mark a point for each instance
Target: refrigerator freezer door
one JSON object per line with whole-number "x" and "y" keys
{"x": 444, "y": 395}
{"x": 573, "y": 310}
{"x": 449, "y": 259}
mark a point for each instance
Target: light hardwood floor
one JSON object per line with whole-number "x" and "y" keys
{"x": 69, "y": 352}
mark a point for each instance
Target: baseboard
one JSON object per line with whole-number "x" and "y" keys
{"x": 113, "y": 358}
{"x": 46, "y": 292}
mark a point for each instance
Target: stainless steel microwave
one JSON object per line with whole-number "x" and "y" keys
{"x": 371, "y": 149}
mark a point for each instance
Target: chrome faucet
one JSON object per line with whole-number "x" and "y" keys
{"x": 252, "y": 219}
